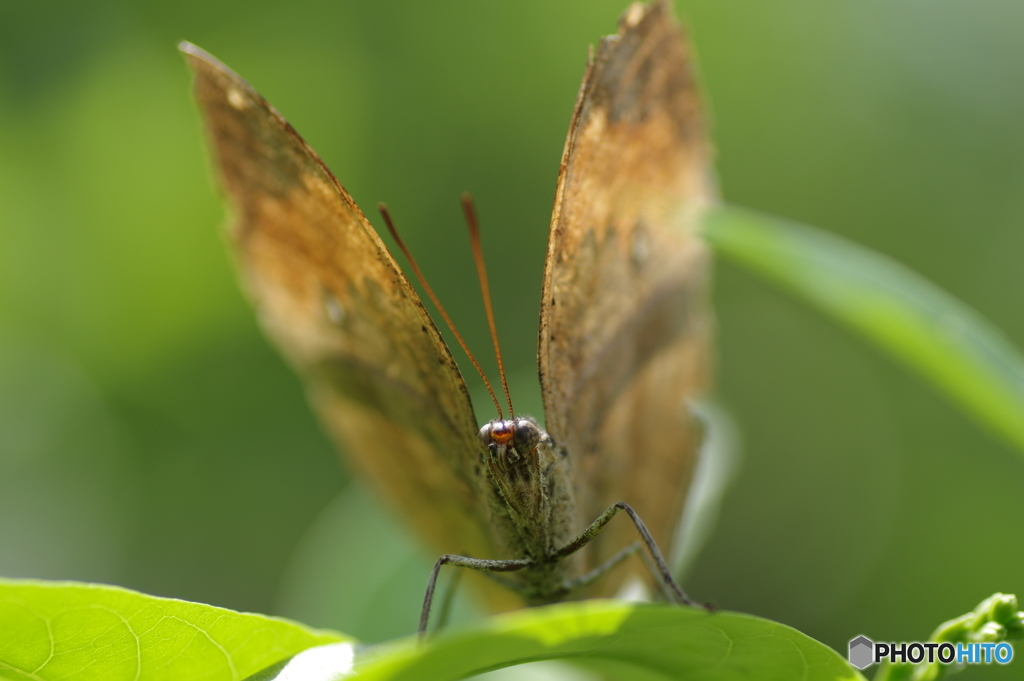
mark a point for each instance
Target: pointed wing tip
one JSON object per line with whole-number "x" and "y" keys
{"x": 196, "y": 55}
{"x": 199, "y": 60}
{"x": 637, "y": 12}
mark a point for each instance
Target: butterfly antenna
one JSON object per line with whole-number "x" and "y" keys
{"x": 481, "y": 270}
{"x": 437, "y": 303}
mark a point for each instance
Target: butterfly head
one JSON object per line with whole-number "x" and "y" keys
{"x": 511, "y": 443}
{"x": 531, "y": 479}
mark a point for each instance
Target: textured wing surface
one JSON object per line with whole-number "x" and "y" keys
{"x": 624, "y": 324}
{"x": 333, "y": 300}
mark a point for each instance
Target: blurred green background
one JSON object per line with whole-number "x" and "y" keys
{"x": 150, "y": 438}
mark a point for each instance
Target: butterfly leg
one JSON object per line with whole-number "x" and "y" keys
{"x": 441, "y": 619}
{"x": 661, "y": 566}
{"x": 601, "y": 570}
{"x": 485, "y": 566}
{"x": 449, "y": 594}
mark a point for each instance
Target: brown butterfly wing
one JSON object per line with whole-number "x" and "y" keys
{"x": 333, "y": 300}
{"x": 624, "y": 325}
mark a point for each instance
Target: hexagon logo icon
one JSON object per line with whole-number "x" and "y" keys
{"x": 861, "y": 652}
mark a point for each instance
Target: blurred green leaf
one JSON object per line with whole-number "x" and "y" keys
{"x": 68, "y": 630}
{"x": 914, "y": 320}
{"x": 624, "y": 640}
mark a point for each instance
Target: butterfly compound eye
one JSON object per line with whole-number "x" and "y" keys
{"x": 526, "y": 436}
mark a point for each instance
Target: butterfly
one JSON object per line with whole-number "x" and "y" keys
{"x": 624, "y": 323}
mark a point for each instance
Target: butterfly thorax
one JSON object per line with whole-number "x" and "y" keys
{"x": 531, "y": 499}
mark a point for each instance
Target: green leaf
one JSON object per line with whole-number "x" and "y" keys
{"x": 635, "y": 641}
{"x": 942, "y": 338}
{"x": 63, "y": 630}
{"x": 67, "y": 630}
